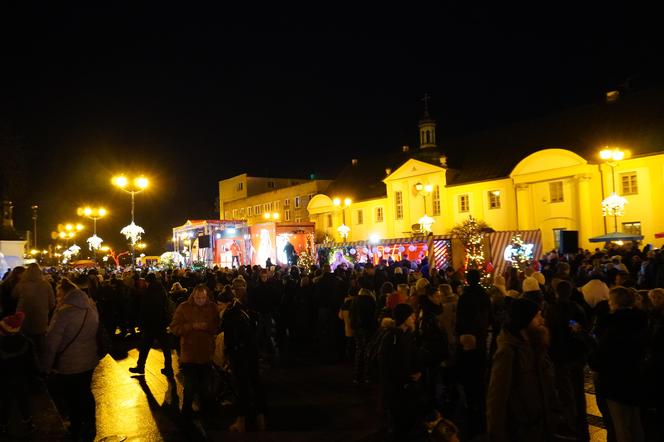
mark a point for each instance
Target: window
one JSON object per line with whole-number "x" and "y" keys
{"x": 360, "y": 217}
{"x": 257, "y": 209}
{"x": 287, "y": 203}
{"x": 464, "y": 203}
{"x": 297, "y": 202}
{"x": 633, "y": 228}
{"x": 435, "y": 202}
{"x": 298, "y": 220}
{"x": 276, "y": 206}
{"x": 234, "y": 213}
{"x": 266, "y": 207}
{"x": 250, "y": 211}
{"x": 270, "y": 184}
{"x": 286, "y": 215}
{"x": 240, "y": 186}
{"x": 629, "y": 183}
{"x": 329, "y": 220}
{"x": 494, "y": 199}
{"x": 242, "y": 213}
{"x": 398, "y": 205}
{"x": 310, "y": 196}
{"x": 556, "y": 192}
{"x": 227, "y": 214}
{"x": 379, "y": 214}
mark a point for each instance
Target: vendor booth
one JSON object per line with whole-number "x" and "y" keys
{"x": 437, "y": 248}
{"x": 280, "y": 242}
{"x": 212, "y": 242}
{"x": 501, "y": 245}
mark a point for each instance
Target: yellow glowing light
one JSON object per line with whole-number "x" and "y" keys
{"x": 612, "y": 154}
{"x": 426, "y": 222}
{"x": 347, "y": 202}
{"x": 87, "y": 211}
{"x": 496, "y": 192}
{"x": 79, "y": 227}
{"x": 343, "y": 231}
{"x": 34, "y": 251}
{"x": 120, "y": 181}
{"x": 102, "y": 211}
{"x": 419, "y": 187}
{"x": 44, "y": 251}
{"x": 336, "y": 201}
{"x": 266, "y": 216}
{"x": 62, "y": 235}
{"x": 105, "y": 248}
{"x": 275, "y": 215}
{"x": 141, "y": 182}
{"x": 69, "y": 227}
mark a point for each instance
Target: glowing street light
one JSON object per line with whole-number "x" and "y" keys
{"x": 425, "y": 221}
{"x": 132, "y": 232}
{"x": 93, "y": 213}
{"x": 614, "y": 204}
{"x": 274, "y": 215}
{"x": 343, "y": 229}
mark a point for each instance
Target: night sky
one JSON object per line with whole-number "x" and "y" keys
{"x": 190, "y": 95}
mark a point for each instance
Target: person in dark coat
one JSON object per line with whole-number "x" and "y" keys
{"x": 399, "y": 373}
{"x": 432, "y": 342}
{"x": 521, "y": 394}
{"x": 569, "y": 350}
{"x": 239, "y": 326}
{"x": 17, "y": 364}
{"x": 328, "y": 296}
{"x": 618, "y": 360}
{"x": 655, "y": 364}
{"x": 363, "y": 325}
{"x": 263, "y": 298}
{"x": 472, "y": 328}
{"x": 153, "y": 319}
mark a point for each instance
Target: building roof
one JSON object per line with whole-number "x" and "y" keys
{"x": 635, "y": 122}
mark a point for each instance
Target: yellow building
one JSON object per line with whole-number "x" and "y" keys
{"x": 545, "y": 174}
{"x": 255, "y": 199}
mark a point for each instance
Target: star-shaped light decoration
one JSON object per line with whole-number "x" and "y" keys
{"x": 74, "y": 249}
{"x": 426, "y": 222}
{"x": 132, "y": 232}
{"x": 94, "y": 242}
{"x": 614, "y": 205}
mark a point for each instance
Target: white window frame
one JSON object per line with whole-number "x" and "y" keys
{"x": 287, "y": 202}
{"x": 556, "y": 192}
{"x": 632, "y": 187}
{"x": 435, "y": 201}
{"x": 460, "y": 203}
{"x": 494, "y": 200}
{"x": 297, "y": 202}
{"x": 379, "y": 214}
{"x": 398, "y": 205}
{"x": 287, "y": 215}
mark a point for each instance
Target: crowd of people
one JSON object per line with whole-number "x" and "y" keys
{"x": 455, "y": 356}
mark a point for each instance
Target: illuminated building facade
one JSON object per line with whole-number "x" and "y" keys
{"x": 545, "y": 174}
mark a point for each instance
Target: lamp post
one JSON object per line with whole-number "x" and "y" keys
{"x": 132, "y": 232}
{"x": 93, "y": 213}
{"x": 613, "y": 205}
{"x": 425, "y": 221}
{"x": 34, "y": 223}
{"x": 343, "y": 229}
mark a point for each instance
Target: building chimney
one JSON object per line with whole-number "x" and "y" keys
{"x": 443, "y": 161}
{"x": 388, "y": 171}
{"x": 405, "y": 148}
{"x": 354, "y": 161}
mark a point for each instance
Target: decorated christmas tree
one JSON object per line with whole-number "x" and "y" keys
{"x": 471, "y": 234}
{"x": 519, "y": 252}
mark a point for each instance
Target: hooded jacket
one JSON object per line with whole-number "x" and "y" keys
{"x": 36, "y": 300}
{"x": 80, "y": 354}
{"x": 521, "y": 393}
{"x": 196, "y": 345}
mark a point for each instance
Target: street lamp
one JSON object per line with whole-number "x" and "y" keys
{"x": 274, "y": 215}
{"x": 343, "y": 229}
{"x": 34, "y": 222}
{"x": 93, "y": 213}
{"x": 425, "y": 221}
{"x": 132, "y": 232}
{"x": 613, "y": 205}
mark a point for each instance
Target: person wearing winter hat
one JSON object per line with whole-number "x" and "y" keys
{"x": 532, "y": 291}
{"x": 522, "y": 351}
{"x": 398, "y": 370}
{"x": 17, "y": 364}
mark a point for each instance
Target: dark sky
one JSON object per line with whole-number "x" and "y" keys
{"x": 189, "y": 95}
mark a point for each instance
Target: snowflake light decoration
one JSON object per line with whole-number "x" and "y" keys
{"x": 132, "y": 232}
{"x": 94, "y": 242}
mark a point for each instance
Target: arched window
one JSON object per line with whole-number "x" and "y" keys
{"x": 428, "y": 137}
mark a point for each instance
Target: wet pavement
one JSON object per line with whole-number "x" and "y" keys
{"x": 306, "y": 402}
